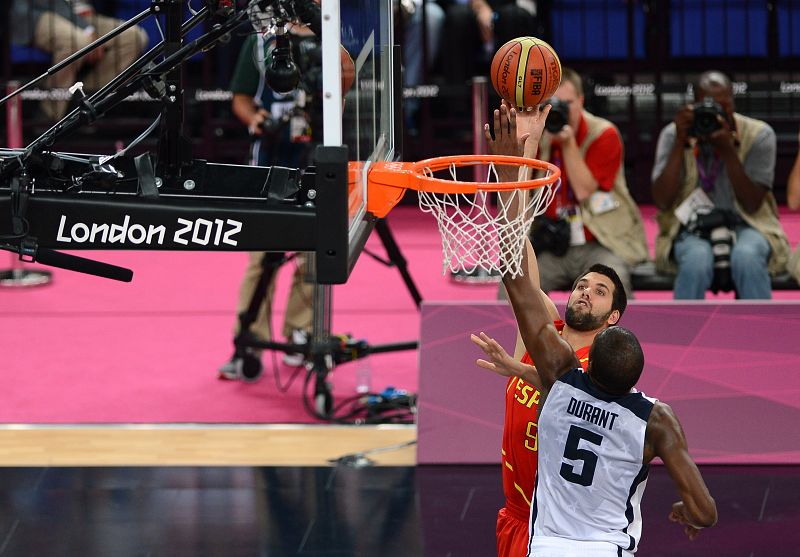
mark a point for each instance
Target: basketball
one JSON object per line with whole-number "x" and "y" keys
{"x": 526, "y": 72}
{"x": 348, "y": 70}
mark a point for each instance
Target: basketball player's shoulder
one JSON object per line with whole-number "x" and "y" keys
{"x": 664, "y": 432}
{"x": 639, "y": 404}
{"x": 662, "y": 414}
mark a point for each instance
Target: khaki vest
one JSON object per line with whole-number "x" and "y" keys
{"x": 621, "y": 229}
{"x": 765, "y": 219}
{"x": 793, "y": 266}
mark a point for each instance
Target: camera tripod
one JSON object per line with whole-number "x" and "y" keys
{"x": 324, "y": 351}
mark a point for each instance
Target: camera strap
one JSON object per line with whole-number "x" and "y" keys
{"x": 707, "y": 179}
{"x": 564, "y": 195}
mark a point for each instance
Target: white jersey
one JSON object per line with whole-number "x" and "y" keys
{"x": 590, "y": 478}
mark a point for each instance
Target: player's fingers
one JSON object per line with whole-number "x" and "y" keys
{"x": 486, "y": 338}
{"x": 486, "y": 132}
{"x": 493, "y": 345}
{"x": 486, "y": 365}
{"x": 478, "y": 341}
{"x": 497, "y": 128}
{"x": 492, "y": 342}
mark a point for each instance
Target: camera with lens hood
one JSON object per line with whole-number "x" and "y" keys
{"x": 717, "y": 226}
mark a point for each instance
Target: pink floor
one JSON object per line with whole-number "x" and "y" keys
{"x": 84, "y": 349}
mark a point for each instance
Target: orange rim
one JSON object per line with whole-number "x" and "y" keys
{"x": 412, "y": 174}
{"x": 388, "y": 181}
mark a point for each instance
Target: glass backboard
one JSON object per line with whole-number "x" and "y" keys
{"x": 363, "y": 117}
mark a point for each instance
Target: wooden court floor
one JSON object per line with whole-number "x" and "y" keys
{"x": 203, "y": 445}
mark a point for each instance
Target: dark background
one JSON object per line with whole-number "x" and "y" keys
{"x": 657, "y": 46}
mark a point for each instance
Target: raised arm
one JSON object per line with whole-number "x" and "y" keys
{"x": 518, "y": 133}
{"x": 666, "y": 185}
{"x": 749, "y": 193}
{"x": 665, "y": 439}
{"x": 502, "y": 363}
{"x": 551, "y": 353}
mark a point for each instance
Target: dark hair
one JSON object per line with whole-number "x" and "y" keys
{"x": 620, "y": 299}
{"x": 616, "y": 360}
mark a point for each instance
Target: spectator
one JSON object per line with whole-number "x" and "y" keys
{"x": 793, "y": 184}
{"x": 410, "y": 16}
{"x": 793, "y": 201}
{"x": 477, "y": 28}
{"x": 62, "y": 27}
{"x": 593, "y": 218}
{"x": 712, "y": 184}
{"x": 279, "y": 126}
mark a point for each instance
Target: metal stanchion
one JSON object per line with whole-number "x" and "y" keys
{"x": 16, "y": 275}
{"x": 480, "y": 115}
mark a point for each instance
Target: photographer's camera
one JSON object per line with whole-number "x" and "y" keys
{"x": 716, "y": 226}
{"x": 271, "y": 126}
{"x": 706, "y": 118}
{"x": 558, "y": 116}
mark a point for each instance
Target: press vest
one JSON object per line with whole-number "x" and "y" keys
{"x": 621, "y": 229}
{"x": 765, "y": 219}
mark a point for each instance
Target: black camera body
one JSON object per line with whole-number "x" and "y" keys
{"x": 271, "y": 127}
{"x": 308, "y": 55}
{"x": 558, "y": 116}
{"x": 551, "y": 235}
{"x": 717, "y": 226}
{"x": 706, "y": 118}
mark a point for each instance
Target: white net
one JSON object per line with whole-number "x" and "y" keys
{"x": 476, "y": 236}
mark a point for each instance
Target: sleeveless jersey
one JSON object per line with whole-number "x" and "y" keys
{"x": 520, "y": 443}
{"x": 591, "y": 478}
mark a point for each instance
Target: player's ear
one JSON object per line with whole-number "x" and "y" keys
{"x": 613, "y": 319}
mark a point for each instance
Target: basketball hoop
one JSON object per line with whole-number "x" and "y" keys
{"x": 472, "y": 237}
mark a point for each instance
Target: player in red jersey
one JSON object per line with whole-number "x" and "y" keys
{"x": 597, "y": 301}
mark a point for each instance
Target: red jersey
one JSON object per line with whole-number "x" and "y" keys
{"x": 520, "y": 438}
{"x": 603, "y": 158}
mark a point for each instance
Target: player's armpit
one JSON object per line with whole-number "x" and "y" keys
{"x": 666, "y": 440}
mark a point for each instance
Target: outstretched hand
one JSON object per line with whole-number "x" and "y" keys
{"x": 500, "y": 361}
{"x": 678, "y": 515}
{"x": 513, "y": 129}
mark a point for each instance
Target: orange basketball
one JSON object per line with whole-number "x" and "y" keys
{"x": 348, "y": 70}
{"x": 526, "y": 71}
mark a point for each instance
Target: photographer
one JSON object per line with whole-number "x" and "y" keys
{"x": 712, "y": 182}
{"x": 61, "y": 28}
{"x": 593, "y": 218}
{"x": 279, "y": 126}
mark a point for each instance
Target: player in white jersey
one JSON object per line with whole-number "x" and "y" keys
{"x": 597, "y": 436}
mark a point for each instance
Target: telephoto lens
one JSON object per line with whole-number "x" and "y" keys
{"x": 722, "y": 239}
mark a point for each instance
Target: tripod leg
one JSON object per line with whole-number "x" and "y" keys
{"x": 393, "y": 251}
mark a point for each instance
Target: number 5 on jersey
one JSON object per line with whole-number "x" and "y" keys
{"x": 573, "y": 452}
